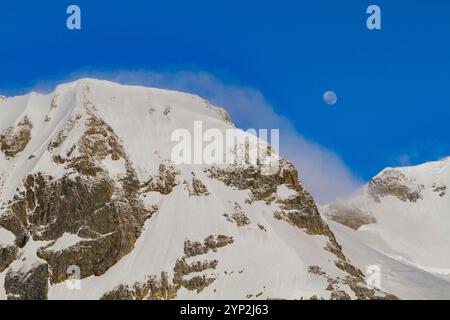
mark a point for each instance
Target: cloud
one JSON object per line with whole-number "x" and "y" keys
{"x": 404, "y": 160}
{"x": 321, "y": 170}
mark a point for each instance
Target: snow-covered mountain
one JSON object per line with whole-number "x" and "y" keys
{"x": 87, "y": 186}
{"x": 402, "y": 223}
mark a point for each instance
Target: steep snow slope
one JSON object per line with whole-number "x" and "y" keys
{"x": 404, "y": 280}
{"x": 87, "y": 185}
{"x": 403, "y": 214}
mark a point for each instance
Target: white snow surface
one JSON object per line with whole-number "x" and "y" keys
{"x": 66, "y": 241}
{"x": 397, "y": 276}
{"x": 285, "y": 193}
{"x": 6, "y": 237}
{"x": 410, "y": 240}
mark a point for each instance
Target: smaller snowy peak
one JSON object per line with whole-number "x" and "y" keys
{"x": 435, "y": 168}
{"x": 406, "y": 210}
{"x": 439, "y": 167}
{"x": 412, "y": 182}
{"x": 408, "y": 186}
{"x": 392, "y": 182}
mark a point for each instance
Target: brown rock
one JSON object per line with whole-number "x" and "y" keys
{"x": 31, "y": 285}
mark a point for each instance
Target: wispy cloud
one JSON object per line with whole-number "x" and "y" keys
{"x": 320, "y": 169}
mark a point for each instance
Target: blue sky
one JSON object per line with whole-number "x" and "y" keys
{"x": 392, "y": 84}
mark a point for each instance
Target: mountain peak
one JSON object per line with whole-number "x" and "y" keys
{"x": 403, "y": 213}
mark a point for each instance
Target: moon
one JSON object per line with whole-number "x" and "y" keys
{"x": 330, "y": 97}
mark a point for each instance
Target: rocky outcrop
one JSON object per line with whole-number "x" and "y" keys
{"x": 97, "y": 143}
{"x": 299, "y": 209}
{"x": 164, "y": 182}
{"x": 223, "y": 114}
{"x": 62, "y": 134}
{"x": 237, "y": 216}
{"x": 12, "y": 220}
{"x": 155, "y": 288}
{"x": 109, "y": 221}
{"x": 29, "y": 284}
{"x": 340, "y": 295}
{"x": 439, "y": 189}
{"x": 196, "y": 187}
{"x": 105, "y": 213}
{"x": 192, "y": 249}
{"x": 14, "y": 140}
{"x": 7, "y": 255}
{"x": 355, "y": 282}
{"x": 392, "y": 182}
{"x": 196, "y": 283}
{"x": 349, "y": 216}
{"x": 262, "y": 186}
{"x": 162, "y": 288}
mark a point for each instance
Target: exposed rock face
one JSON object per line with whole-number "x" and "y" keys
{"x": 349, "y": 216}
{"x": 192, "y": 249}
{"x": 355, "y": 282}
{"x": 164, "y": 182}
{"x": 440, "y": 189}
{"x": 198, "y": 282}
{"x": 48, "y": 208}
{"x": 98, "y": 142}
{"x": 300, "y": 210}
{"x": 220, "y": 111}
{"x": 340, "y": 295}
{"x": 196, "y": 187}
{"x": 237, "y": 216}
{"x": 155, "y": 288}
{"x": 57, "y": 141}
{"x": 394, "y": 183}
{"x": 29, "y": 284}
{"x": 161, "y": 288}
{"x": 7, "y": 255}
{"x": 107, "y": 215}
{"x": 14, "y": 140}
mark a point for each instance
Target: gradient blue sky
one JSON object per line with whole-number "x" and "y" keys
{"x": 392, "y": 84}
